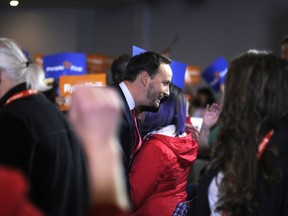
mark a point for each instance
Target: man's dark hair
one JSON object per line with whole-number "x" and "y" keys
{"x": 147, "y": 61}
{"x": 284, "y": 40}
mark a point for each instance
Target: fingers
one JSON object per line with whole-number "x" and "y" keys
{"x": 193, "y": 131}
{"x": 191, "y": 128}
{"x": 195, "y": 136}
{"x": 95, "y": 112}
{"x": 213, "y": 108}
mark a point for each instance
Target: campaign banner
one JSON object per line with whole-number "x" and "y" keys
{"x": 38, "y": 59}
{"x": 26, "y": 53}
{"x": 178, "y": 68}
{"x": 67, "y": 85}
{"x": 215, "y": 73}
{"x": 193, "y": 75}
{"x": 60, "y": 64}
{"x": 137, "y": 50}
{"x": 95, "y": 63}
{"x": 108, "y": 62}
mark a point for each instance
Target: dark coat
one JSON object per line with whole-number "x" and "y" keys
{"x": 37, "y": 139}
{"x": 127, "y": 130}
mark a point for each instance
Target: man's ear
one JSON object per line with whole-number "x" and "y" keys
{"x": 144, "y": 78}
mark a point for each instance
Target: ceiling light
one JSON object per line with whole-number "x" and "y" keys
{"x": 14, "y": 3}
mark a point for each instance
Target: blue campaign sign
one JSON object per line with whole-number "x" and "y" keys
{"x": 26, "y": 53}
{"x": 178, "y": 68}
{"x": 64, "y": 64}
{"x": 137, "y": 50}
{"x": 215, "y": 73}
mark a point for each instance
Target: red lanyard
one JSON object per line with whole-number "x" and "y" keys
{"x": 21, "y": 95}
{"x": 264, "y": 142}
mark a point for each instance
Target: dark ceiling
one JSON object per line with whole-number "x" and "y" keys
{"x": 72, "y": 3}
{"x": 81, "y": 3}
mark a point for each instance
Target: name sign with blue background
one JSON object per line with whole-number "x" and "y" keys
{"x": 178, "y": 68}
{"x": 26, "y": 53}
{"x": 215, "y": 73}
{"x": 60, "y": 64}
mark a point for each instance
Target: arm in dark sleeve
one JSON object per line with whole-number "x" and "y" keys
{"x": 15, "y": 141}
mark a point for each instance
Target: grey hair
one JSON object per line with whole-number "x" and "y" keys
{"x": 13, "y": 63}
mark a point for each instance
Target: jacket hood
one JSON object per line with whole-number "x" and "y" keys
{"x": 184, "y": 147}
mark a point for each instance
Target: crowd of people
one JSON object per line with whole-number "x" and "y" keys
{"x": 127, "y": 149}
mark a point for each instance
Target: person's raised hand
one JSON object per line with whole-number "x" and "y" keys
{"x": 95, "y": 115}
{"x": 211, "y": 115}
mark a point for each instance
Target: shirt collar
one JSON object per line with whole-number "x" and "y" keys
{"x": 128, "y": 96}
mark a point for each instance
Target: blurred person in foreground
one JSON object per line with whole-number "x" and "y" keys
{"x": 36, "y": 138}
{"x": 159, "y": 172}
{"x": 95, "y": 115}
{"x": 248, "y": 174}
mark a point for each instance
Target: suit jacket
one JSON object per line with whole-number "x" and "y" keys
{"x": 37, "y": 139}
{"x": 127, "y": 130}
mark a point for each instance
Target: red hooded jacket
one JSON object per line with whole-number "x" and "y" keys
{"x": 159, "y": 173}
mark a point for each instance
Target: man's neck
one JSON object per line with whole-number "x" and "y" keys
{"x": 134, "y": 91}
{"x": 128, "y": 94}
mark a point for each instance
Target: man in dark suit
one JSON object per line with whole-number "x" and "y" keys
{"x": 146, "y": 83}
